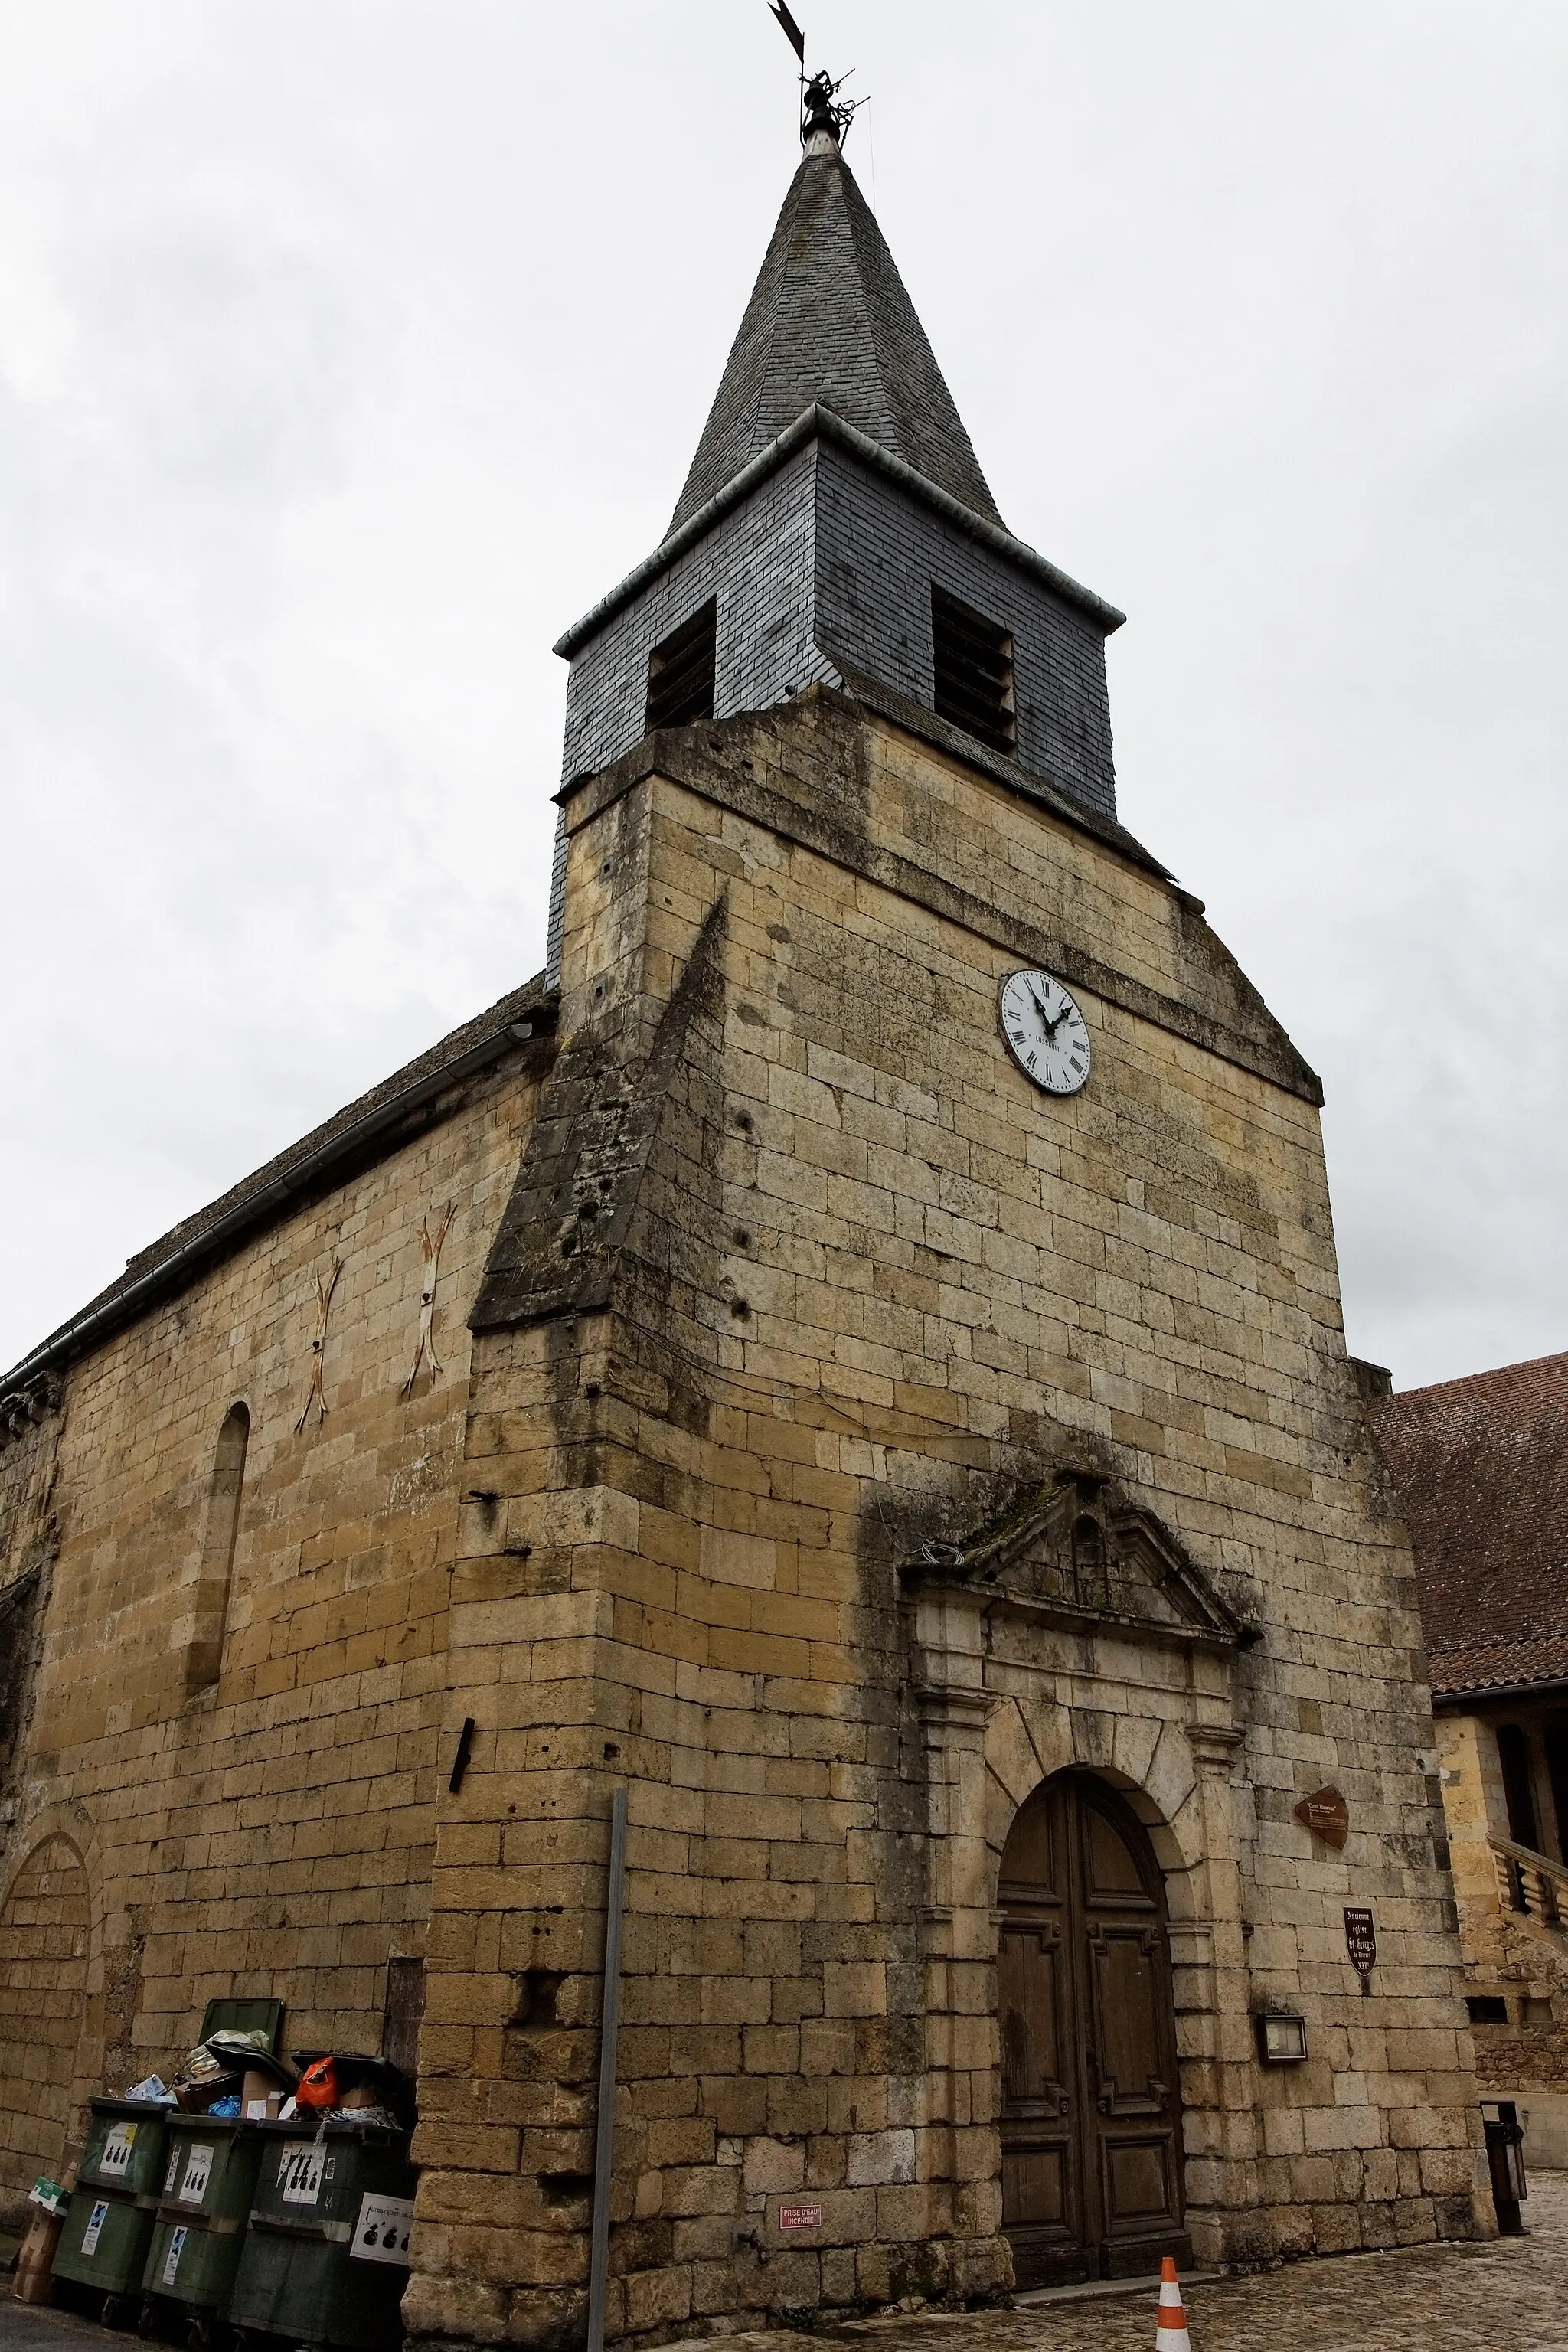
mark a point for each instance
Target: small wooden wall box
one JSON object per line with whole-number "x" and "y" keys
{"x": 1281, "y": 2038}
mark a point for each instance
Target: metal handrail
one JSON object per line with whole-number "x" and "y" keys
{"x": 1531, "y": 1882}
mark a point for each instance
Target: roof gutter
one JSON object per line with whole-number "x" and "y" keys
{"x": 1454, "y": 1702}
{"x": 258, "y": 1207}
{"x": 819, "y": 423}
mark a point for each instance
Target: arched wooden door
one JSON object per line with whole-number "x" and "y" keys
{"x": 1091, "y": 2136}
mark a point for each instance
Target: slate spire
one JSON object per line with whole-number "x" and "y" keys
{"x": 829, "y": 322}
{"x": 836, "y": 532}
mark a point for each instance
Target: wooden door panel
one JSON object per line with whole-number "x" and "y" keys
{"x": 1090, "y": 2124}
{"x": 1128, "y": 1985}
{"x": 1042, "y": 2211}
{"x": 1141, "y": 2205}
{"x": 1137, "y": 2178}
{"x": 1111, "y": 1868}
{"x": 1036, "y": 2186}
{"x": 1028, "y": 1983}
{"x": 1042, "y": 2153}
{"x": 1030, "y": 1856}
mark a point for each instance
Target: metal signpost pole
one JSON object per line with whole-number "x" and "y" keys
{"x": 610, "y": 2017}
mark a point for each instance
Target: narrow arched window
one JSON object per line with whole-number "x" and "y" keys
{"x": 203, "y": 1657}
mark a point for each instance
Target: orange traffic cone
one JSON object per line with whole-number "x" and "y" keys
{"x": 1171, "y": 2327}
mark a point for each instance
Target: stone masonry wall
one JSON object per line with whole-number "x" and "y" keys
{"x": 271, "y": 1833}
{"x": 1509, "y": 1953}
{"x": 865, "y": 1284}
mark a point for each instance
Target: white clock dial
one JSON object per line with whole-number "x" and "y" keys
{"x": 1045, "y": 1030}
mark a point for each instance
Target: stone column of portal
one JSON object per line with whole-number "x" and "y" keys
{"x": 959, "y": 2143}
{"x": 1213, "y": 2025}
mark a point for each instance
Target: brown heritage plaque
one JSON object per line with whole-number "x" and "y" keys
{"x": 1327, "y": 1815}
{"x": 1361, "y": 1938}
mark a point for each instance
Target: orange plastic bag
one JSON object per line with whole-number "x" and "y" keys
{"x": 319, "y": 2085}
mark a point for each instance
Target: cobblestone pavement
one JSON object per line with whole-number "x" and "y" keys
{"x": 1507, "y": 2296}
{"x": 1510, "y": 2294}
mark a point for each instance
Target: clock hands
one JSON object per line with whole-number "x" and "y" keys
{"x": 1049, "y": 1026}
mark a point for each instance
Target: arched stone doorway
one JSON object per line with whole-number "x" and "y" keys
{"x": 1091, "y": 2128}
{"x": 43, "y": 1936}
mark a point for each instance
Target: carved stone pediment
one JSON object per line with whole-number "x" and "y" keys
{"x": 1075, "y": 1553}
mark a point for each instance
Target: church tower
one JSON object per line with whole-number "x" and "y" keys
{"x": 911, "y": 1451}
{"x": 833, "y": 494}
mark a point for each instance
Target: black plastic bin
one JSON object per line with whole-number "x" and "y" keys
{"x": 325, "y": 2257}
{"x": 1505, "y": 2162}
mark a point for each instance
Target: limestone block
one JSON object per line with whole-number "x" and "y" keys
{"x": 769, "y": 2166}
{"x": 878, "y": 2158}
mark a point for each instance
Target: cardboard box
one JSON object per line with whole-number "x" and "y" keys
{"x": 36, "y": 2256}
{"x": 195, "y": 2098}
{"x": 260, "y": 2097}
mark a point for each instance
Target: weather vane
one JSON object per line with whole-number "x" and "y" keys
{"x": 821, "y": 108}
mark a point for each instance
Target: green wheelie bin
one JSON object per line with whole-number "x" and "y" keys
{"x": 325, "y": 2259}
{"x": 209, "y": 2181}
{"x": 104, "y": 2239}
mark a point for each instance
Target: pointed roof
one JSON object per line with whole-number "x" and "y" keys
{"x": 830, "y": 322}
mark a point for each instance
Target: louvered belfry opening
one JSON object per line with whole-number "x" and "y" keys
{"x": 680, "y": 671}
{"x": 974, "y": 672}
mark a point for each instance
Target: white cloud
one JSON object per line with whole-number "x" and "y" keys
{"x": 347, "y": 352}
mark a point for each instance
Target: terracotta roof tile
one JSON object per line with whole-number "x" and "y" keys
{"x": 1474, "y": 1665}
{"x": 1481, "y": 1465}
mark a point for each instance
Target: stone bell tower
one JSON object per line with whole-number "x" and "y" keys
{"x": 919, "y": 1462}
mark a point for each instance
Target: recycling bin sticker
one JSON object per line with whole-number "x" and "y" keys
{"x": 117, "y": 2149}
{"x": 198, "y": 2172}
{"x": 171, "y": 2259}
{"x": 299, "y": 2170}
{"x": 95, "y": 2222}
{"x": 380, "y": 2233}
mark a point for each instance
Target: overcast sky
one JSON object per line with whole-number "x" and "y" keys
{"x": 349, "y": 349}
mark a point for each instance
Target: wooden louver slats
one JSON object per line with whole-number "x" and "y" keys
{"x": 973, "y": 665}
{"x": 680, "y": 671}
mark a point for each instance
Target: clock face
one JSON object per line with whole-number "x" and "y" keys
{"x": 1044, "y": 1032}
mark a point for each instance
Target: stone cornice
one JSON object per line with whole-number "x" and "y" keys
{"x": 998, "y": 1602}
{"x": 686, "y": 756}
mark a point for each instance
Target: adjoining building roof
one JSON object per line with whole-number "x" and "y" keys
{"x": 1481, "y": 1465}
{"x": 830, "y": 324}
{"x": 379, "y": 1122}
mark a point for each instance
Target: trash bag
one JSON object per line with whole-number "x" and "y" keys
{"x": 318, "y": 2089}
